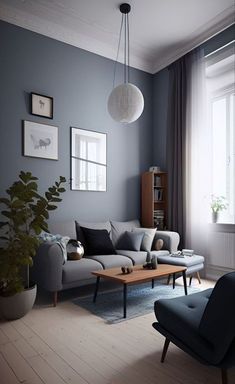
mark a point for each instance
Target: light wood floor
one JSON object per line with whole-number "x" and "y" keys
{"x": 67, "y": 344}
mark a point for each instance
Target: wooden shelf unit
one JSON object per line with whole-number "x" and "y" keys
{"x": 154, "y": 203}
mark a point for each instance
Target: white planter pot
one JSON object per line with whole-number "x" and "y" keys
{"x": 16, "y": 306}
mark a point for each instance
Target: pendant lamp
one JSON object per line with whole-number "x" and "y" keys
{"x": 126, "y": 102}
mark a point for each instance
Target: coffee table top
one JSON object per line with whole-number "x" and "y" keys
{"x": 139, "y": 273}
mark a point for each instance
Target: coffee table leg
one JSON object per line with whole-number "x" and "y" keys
{"x": 152, "y": 283}
{"x": 185, "y": 283}
{"x": 173, "y": 280}
{"x": 96, "y": 288}
{"x": 124, "y": 299}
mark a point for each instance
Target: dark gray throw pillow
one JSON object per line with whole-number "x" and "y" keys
{"x": 130, "y": 241}
{"x": 97, "y": 242}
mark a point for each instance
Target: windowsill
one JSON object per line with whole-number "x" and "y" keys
{"x": 222, "y": 227}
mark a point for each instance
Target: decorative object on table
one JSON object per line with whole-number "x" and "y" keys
{"x": 88, "y": 160}
{"x": 218, "y": 204}
{"x": 151, "y": 262}
{"x": 75, "y": 250}
{"x": 40, "y": 140}
{"x": 126, "y": 102}
{"x": 126, "y": 270}
{"x": 41, "y": 105}
{"x": 154, "y": 168}
{"x": 26, "y": 212}
{"x": 177, "y": 254}
{"x": 187, "y": 252}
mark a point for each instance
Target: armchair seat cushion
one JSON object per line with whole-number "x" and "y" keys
{"x": 181, "y": 316}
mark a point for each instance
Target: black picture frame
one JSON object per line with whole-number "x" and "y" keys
{"x": 42, "y": 105}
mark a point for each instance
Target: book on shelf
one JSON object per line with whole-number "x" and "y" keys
{"x": 157, "y": 181}
{"x": 158, "y": 194}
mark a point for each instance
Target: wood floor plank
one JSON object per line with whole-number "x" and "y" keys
{"x": 18, "y": 364}
{"x": 6, "y": 374}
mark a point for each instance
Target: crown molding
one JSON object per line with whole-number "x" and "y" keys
{"x": 216, "y": 25}
{"x": 68, "y": 36}
{"x": 141, "y": 61}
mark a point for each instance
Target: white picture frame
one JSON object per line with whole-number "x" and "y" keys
{"x": 40, "y": 140}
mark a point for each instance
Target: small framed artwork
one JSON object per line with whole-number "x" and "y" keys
{"x": 41, "y": 105}
{"x": 40, "y": 140}
{"x": 88, "y": 160}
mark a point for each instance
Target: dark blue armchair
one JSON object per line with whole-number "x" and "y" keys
{"x": 202, "y": 324}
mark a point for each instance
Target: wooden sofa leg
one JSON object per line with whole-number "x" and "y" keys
{"x": 55, "y": 297}
{"x": 165, "y": 348}
{"x": 224, "y": 376}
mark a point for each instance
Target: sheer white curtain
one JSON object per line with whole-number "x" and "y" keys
{"x": 197, "y": 157}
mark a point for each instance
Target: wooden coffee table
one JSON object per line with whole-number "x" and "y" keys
{"x": 139, "y": 275}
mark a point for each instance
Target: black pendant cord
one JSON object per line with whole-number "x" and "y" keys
{"x": 128, "y": 50}
{"x": 125, "y": 50}
{"x": 119, "y": 42}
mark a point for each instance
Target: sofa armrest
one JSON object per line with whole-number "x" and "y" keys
{"x": 171, "y": 240}
{"x": 47, "y": 267}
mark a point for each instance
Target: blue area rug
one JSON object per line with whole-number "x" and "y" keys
{"x": 140, "y": 300}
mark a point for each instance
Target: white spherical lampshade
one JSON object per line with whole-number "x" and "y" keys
{"x": 125, "y": 103}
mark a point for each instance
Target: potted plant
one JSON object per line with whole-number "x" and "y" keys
{"x": 218, "y": 203}
{"x": 26, "y": 213}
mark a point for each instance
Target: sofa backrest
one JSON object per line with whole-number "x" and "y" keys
{"x": 218, "y": 321}
{"x": 120, "y": 227}
{"x": 64, "y": 228}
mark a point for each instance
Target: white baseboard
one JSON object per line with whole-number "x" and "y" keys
{"x": 214, "y": 272}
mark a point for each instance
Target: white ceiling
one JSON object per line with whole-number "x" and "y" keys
{"x": 160, "y": 30}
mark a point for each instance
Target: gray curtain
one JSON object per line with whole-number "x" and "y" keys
{"x": 176, "y": 133}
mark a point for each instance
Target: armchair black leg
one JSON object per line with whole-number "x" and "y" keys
{"x": 224, "y": 376}
{"x": 165, "y": 348}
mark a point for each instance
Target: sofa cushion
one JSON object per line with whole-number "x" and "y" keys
{"x": 112, "y": 261}
{"x": 130, "y": 241}
{"x": 138, "y": 258}
{"x": 149, "y": 233}
{"x": 119, "y": 227}
{"x": 97, "y": 242}
{"x": 79, "y": 270}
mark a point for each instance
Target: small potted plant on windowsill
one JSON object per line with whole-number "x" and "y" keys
{"x": 218, "y": 204}
{"x": 26, "y": 212}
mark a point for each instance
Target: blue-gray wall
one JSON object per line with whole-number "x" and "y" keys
{"x": 80, "y": 83}
{"x": 161, "y": 84}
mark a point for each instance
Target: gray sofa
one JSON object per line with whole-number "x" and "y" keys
{"x": 53, "y": 274}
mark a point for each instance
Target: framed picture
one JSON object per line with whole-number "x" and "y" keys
{"x": 40, "y": 140}
{"x": 41, "y": 105}
{"x": 88, "y": 160}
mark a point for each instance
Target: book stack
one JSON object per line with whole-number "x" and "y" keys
{"x": 158, "y": 194}
{"x": 188, "y": 252}
{"x": 177, "y": 254}
{"x": 159, "y": 218}
{"x": 157, "y": 181}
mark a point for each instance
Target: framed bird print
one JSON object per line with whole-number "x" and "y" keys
{"x": 41, "y": 105}
{"x": 40, "y": 140}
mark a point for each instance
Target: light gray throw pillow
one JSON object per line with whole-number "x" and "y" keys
{"x": 148, "y": 237}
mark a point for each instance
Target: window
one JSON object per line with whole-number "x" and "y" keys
{"x": 221, "y": 103}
